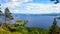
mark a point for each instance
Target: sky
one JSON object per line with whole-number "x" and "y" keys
{"x": 30, "y": 6}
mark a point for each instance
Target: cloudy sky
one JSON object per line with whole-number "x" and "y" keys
{"x": 30, "y": 6}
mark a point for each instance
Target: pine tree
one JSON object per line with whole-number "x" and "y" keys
{"x": 54, "y": 27}
{"x": 57, "y": 1}
{"x": 1, "y": 14}
{"x": 8, "y": 14}
{"x": 0, "y": 11}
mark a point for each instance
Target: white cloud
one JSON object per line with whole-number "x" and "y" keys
{"x": 15, "y": 11}
{"x": 14, "y": 3}
{"x": 42, "y": 8}
{"x": 14, "y": 0}
{"x": 21, "y": 0}
{"x": 32, "y": 8}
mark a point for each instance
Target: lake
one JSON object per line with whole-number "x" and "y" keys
{"x": 37, "y": 20}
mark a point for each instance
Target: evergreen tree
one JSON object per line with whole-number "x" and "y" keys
{"x": 0, "y": 15}
{"x": 57, "y": 1}
{"x": 8, "y": 14}
{"x": 0, "y": 11}
{"x": 54, "y": 27}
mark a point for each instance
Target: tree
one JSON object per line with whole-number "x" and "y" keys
{"x": 0, "y": 5}
{"x": 0, "y": 11}
{"x": 54, "y": 27}
{"x": 8, "y": 14}
{"x": 57, "y": 1}
{"x": 21, "y": 23}
{"x": 0, "y": 15}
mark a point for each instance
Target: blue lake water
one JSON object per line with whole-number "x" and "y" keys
{"x": 37, "y": 20}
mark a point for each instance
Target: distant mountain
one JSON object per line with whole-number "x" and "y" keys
{"x": 52, "y": 14}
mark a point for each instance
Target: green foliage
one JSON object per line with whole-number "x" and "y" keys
{"x": 3, "y": 31}
{"x": 8, "y": 14}
{"x": 1, "y": 13}
{"x": 54, "y": 28}
{"x": 22, "y": 29}
{"x": 6, "y": 24}
{"x": 0, "y": 23}
{"x": 16, "y": 33}
{"x": 34, "y": 30}
{"x": 11, "y": 27}
{"x": 20, "y": 23}
{"x": 5, "y": 28}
